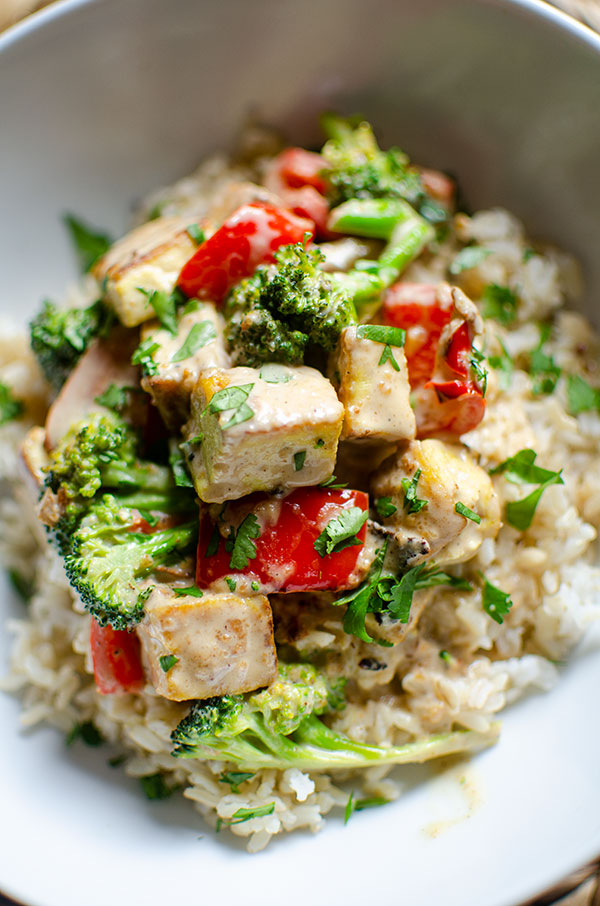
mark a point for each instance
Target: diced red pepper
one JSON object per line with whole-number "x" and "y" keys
{"x": 117, "y": 660}
{"x": 416, "y": 309}
{"x": 286, "y": 560}
{"x": 248, "y": 238}
{"x": 458, "y": 354}
{"x": 451, "y": 415}
{"x": 296, "y": 176}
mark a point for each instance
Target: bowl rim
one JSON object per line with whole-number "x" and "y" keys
{"x": 541, "y": 9}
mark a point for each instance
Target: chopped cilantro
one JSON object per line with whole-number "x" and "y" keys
{"x": 527, "y": 254}
{"x": 412, "y": 503}
{"x": 333, "y": 483}
{"x": 521, "y": 469}
{"x": 380, "y": 333}
{"x": 299, "y": 458}
{"x": 341, "y": 531}
{"x": 464, "y": 510}
{"x": 542, "y": 367}
{"x": 388, "y": 356}
{"x": 232, "y": 399}
{"x": 467, "y": 258}
{"x": 155, "y": 786}
{"x": 254, "y": 586}
{"x": 196, "y": 233}
{"x": 500, "y": 303}
{"x": 88, "y": 244}
{"x": 275, "y": 374}
{"x": 164, "y": 305}
{"x": 148, "y": 517}
{"x": 581, "y": 396}
{"x": 495, "y": 602}
{"x": 445, "y": 656}
{"x": 479, "y": 373}
{"x": 319, "y": 443}
{"x": 231, "y": 583}
{"x": 144, "y": 356}
{"x": 167, "y": 661}
{"x": 235, "y": 778}
{"x": 114, "y": 397}
{"x": 87, "y": 732}
{"x": 505, "y": 365}
{"x": 192, "y": 590}
{"x": 10, "y": 407}
{"x": 179, "y": 467}
{"x": 246, "y": 814}
{"x": 116, "y": 761}
{"x": 243, "y": 548}
{"x": 358, "y": 805}
{"x": 385, "y": 507}
{"x": 198, "y": 336}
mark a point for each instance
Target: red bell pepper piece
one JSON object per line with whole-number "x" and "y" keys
{"x": 248, "y": 238}
{"x": 286, "y": 560}
{"x": 416, "y": 309}
{"x": 458, "y": 354}
{"x": 296, "y": 176}
{"x": 117, "y": 660}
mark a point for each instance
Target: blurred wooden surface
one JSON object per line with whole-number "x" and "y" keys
{"x": 582, "y": 888}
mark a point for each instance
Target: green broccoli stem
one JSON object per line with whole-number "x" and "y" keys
{"x": 374, "y": 218}
{"x": 149, "y": 476}
{"x": 173, "y": 500}
{"x": 314, "y": 747}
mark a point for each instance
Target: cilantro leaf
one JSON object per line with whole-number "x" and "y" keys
{"x": 581, "y": 396}
{"x": 542, "y": 367}
{"x": 87, "y": 732}
{"x": 164, "y": 305}
{"x": 521, "y": 469}
{"x": 196, "y": 233}
{"x": 340, "y": 532}
{"x": 358, "y": 805}
{"x": 505, "y": 365}
{"x": 198, "y": 336}
{"x": 401, "y": 594}
{"x": 88, "y": 244}
{"x": 244, "y": 548}
{"x": 388, "y": 356}
{"x": 299, "y": 458}
{"x": 189, "y": 590}
{"x": 464, "y": 510}
{"x": 380, "y": 333}
{"x": 114, "y": 397}
{"x": 333, "y": 483}
{"x": 232, "y": 399}
{"x": 246, "y": 814}
{"x": 430, "y": 578}
{"x": 10, "y": 407}
{"x": 467, "y": 258}
{"x": 412, "y": 503}
{"x": 23, "y": 586}
{"x": 234, "y": 779}
{"x": 155, "y": 787}
{"x": 385, "y": 507}
{"x": 479, "y": 373}
{"x": 179, "y": 466}
{"x": 495, "y": 602}
{"x": 167, "y": 661}
{"x": 500, "y": 303}
{"x": 144, "y": 356}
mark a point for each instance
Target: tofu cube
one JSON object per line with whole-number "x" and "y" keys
{"x": 374, "y": 393}
{"x": 150, "y": 257}
{"x": 200, "y": 328}
{"x": 278, "y": 428}
{"x": 223, "y": 644}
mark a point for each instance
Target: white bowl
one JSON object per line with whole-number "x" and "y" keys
{"x": 103, "y": 100}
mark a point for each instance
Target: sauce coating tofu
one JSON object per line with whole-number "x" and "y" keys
{"x": 375, "y": 396}
{"x": 280, "y": 431}
{"x": 151, "y": 257}
{"x": 448, "y": 476}
{"x": 200, "y": 328}
{"x": 223, "y": 644}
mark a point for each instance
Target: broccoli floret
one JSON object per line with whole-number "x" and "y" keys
{"x": 107, "y": 560}
{"x": 59, "y": 337}
{"x": 285, "y": 307}
{"x": 280, "y": 727}
{"x": 358, "y": 168}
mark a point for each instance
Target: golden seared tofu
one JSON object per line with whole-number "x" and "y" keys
{"x": 373, "y": 387}
{"x": 148, "y": 258}
{"x": 261, "y": 429}
{"x": 436, "y": 501}
{"x": 180, "y": 358}
{"x": 217, "y": 644}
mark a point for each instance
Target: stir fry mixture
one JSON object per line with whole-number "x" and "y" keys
{"x": 259, "y": 427}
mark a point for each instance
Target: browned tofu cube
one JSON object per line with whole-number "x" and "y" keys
{"x": 218, "y": 644}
